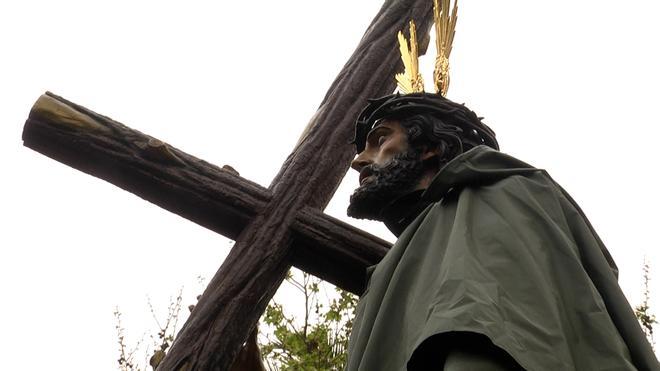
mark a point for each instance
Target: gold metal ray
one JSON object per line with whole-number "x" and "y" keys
{"x": 445, "y": 25}
{"x": 410, "y": 81}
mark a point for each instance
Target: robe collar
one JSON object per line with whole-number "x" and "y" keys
{"x": 402, "y": 211}
{"x": 480, "y": 165}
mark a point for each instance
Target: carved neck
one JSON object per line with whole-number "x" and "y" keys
{"x": 402, "y": 211}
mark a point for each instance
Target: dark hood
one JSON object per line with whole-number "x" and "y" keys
{"x": 479, "y": 166}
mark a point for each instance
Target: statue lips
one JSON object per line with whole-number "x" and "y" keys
{"x": 365, "y": 173}
{"x": 367, "y": 180}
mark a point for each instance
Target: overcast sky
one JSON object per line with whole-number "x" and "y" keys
{"x": 569, "y": 86}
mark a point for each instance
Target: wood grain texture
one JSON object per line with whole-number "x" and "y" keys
{"x": 174, "y": 180}
{"x": 214, "y": 197}
{"x": 206, "y": 194}
{"x": 251, "y": 273}
{"x": 273, "y": 228}
{"x": 335, "y": 251}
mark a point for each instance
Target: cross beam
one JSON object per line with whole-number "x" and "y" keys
{"x": 214, "y": 197}
{"x": 273, "y": 228}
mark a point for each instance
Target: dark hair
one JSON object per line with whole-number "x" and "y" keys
{"x": 428, "y": 130}
{"x": 429, "y": 119}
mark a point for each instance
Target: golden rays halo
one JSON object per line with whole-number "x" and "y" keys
{"x": 410, "y": 80}
{"x": 445, "y": 28}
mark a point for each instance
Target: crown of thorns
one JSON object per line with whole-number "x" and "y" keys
{"x": 473, "y": 131}
{"x": 459, "y": 120}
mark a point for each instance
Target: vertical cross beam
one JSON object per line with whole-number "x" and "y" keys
{"x": 255, "y": 267}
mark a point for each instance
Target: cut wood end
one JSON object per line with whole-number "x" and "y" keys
{"x": 230, "y": 169}
{"x": 153, "y": 142}
{"x": 158, "y": 150}
{"x": 56, "y": 112}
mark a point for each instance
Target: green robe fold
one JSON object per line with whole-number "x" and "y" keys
{"x": 504, "y": 252}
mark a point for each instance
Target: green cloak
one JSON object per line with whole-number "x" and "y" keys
{"x": 501, "y": 251}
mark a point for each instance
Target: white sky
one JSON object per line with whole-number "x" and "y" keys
{"x": 569, "y": 86}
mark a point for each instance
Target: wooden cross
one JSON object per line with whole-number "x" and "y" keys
{"x": 274, "y": 228}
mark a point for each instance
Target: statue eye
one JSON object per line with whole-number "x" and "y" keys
{"x": 381, "y": 140}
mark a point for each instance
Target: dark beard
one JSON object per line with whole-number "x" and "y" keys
{"x": 396, "y": 178}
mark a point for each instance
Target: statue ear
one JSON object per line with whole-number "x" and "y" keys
{"x": 430, "y": 152}
{"x": 442, "y": 152}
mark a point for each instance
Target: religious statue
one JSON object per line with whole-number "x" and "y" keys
{"x": 495, "y": 266}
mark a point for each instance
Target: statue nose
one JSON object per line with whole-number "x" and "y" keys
{"x": 360, "y": 162}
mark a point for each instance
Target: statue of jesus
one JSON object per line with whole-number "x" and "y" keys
{"x": 495, "y": 266}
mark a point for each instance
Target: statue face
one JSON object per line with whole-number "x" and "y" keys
{"x": 384, "y": 141}
{"x": 389, "y": 168}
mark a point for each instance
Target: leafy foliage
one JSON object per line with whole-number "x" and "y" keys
{"x": 313, "y": 341}
{"x": 642, "y": 311}
{"x": 126, "y": 359}
{"x": 160, "y": 342}
{"x": 317, "y": 342}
